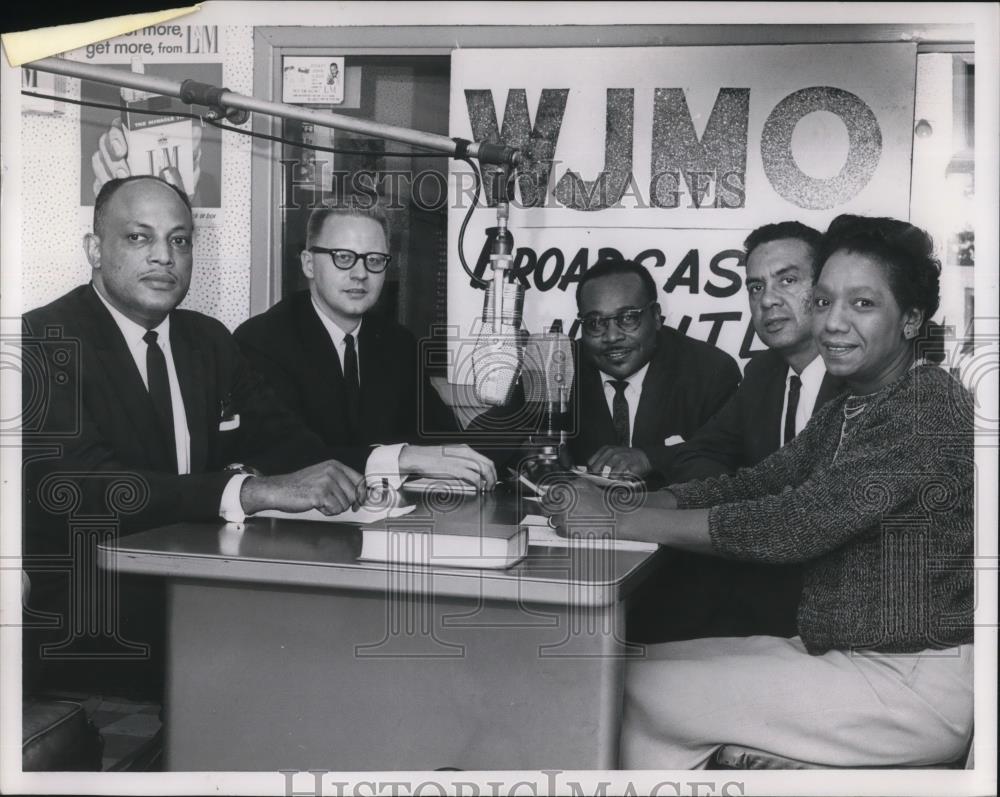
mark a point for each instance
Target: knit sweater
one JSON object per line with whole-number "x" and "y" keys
{"x": 875, "y": 496}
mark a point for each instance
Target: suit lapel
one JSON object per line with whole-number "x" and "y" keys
{"x": 126, "y": 384}
{"x": 196, "y": 392}
{"x": 376, "y": 384}
{"x": 327, "y": 385}
{"x": 593, "y": 418}
{"x": 655, "y": 389}
{"x": 772, "y": 405}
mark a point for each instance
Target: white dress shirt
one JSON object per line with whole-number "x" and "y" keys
{"x": 133, "y": 333}
{"x": 812, "y": 378}
{"x": 229, "y": 505}
{"x": 383, "y": 462}
{"x": 632, "y": 395}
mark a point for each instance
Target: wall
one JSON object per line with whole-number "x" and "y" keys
{"x": 54, "y": 226}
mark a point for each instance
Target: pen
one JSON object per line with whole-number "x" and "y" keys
{"x": 527, "y": 483}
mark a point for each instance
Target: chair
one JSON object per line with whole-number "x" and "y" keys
{"x": 57, "y": 736}
{"x": 75, "y": 731}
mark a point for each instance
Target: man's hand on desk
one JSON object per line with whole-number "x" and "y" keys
{"x": 617, "y": 460}
{"x": 450, "y": 462}
{"x": 331, "y": 487}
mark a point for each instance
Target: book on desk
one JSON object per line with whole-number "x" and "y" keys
{"x": 445, "y": 544}
{"x": 484, "y": 545}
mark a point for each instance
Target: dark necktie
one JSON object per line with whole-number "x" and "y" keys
{"x": 619, "y": 411}
{"x": 794, "y": 386}
{"x": 159, "y": 392}
{"x": 352, "y": 382}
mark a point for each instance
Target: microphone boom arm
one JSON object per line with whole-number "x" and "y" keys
{"x": 195, "y": 93}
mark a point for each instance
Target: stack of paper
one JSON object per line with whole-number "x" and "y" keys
{"x": 364, "y": 514}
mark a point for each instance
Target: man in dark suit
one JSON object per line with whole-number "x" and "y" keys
{"x": 640, "y": 387}
{"x": 133, "y": 412}
{"x": 781, "y": 389}
{"x": 353, "y": 376}
{"x": 782, "y": 386}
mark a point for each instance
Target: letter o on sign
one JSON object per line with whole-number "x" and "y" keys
{"x": 864, "y": 151}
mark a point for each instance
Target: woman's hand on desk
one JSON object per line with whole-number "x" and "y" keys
{"x": 331, "y": 487}
{"x": 578, "y": 507}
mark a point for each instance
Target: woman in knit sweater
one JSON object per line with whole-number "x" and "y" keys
{"x": 875, "y": 496}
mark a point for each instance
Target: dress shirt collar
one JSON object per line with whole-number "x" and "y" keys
{"x": 337, "y": 335}
{"x": 811, "y": 376}
{"x": 634, "y": 381}
{"x": 131, "y": 331}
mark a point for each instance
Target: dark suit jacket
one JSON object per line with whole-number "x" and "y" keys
{"x": 91, "y": 447}
{"x": 748, "y": 428}
{"x": 289, "y": 345}
{"x": 687, "y": 382}
{"x": 726, "y": 597}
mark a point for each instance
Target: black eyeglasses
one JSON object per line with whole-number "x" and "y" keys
{"x": 627, "y": 320}
{"x": 344, "y": 259}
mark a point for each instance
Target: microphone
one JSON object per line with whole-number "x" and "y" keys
{"x": 498, "y": 356}
{"x": 549, "y": 375}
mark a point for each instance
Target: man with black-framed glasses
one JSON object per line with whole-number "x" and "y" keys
{"x": 353, "y": 375}
{"x": 643, "y": 387}
{"x": 640, "y": 387}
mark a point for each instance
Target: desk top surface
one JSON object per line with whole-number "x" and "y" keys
{"x": 324, "y": 555}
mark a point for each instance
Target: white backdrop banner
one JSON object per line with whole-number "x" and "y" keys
{"x": 671, "y": 155}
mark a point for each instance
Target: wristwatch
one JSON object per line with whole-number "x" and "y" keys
{"x": 239, "y": 467}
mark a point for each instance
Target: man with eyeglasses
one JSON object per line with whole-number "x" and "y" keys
{"x": 640, "y": 388}
{"x": 643, "y": 387}
{"x": 353, "y": 375}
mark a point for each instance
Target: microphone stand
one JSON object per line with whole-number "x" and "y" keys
{"x": 547, "y": 449}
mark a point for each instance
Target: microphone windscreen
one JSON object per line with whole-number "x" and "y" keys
{"x": 496, "y": 363}
{"x": 499, "y": 352}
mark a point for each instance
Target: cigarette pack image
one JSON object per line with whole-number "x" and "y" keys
{"x": 159, "y": 144}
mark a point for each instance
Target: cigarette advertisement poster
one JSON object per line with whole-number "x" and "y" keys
{"x": 670, "y": 156}
{"x": 312, "y": 81}
{"x": 124, "y": 138}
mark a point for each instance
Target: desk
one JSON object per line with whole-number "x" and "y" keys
{"x": 287, "y": 652}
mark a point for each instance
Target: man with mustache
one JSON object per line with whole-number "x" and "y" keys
{"x": 640, "y": 389}
{"x": 781, "y": 389}
{"x": 641, "y": 385}
{"x": 783, "y": 385}
{"x": 138, "y": 415}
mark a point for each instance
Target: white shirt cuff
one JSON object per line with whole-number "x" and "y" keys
{"x": 383, "y": 463}
{"x": 230, "y": 508}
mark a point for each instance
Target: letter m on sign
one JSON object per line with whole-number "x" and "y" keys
{"x": 203, "y": 39}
